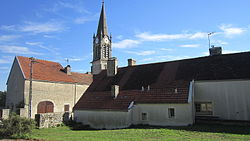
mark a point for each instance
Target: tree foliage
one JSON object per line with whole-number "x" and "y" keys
{"x": 16, "y": 126}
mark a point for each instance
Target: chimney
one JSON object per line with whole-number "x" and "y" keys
{"x": 114, "y": 91}
{"x": 112, "y": 66}
{"x": 131, "y": 62}
{"x": 215, "y": 51}
{"x": 67, "y": 70}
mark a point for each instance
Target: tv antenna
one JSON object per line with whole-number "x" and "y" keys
{"x": 67, "y": 60}
{"x": 208, "y": 36}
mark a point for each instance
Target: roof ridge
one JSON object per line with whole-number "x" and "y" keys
{"x": 40, "y": 59}
{"x": 200, "y": 57}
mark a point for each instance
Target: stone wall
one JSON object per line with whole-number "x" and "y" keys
{"x": 5, "y": 113}
{"x": 59, "y": 94}
{"x": 47, "y": 120}
{"x": 15, "y": 87}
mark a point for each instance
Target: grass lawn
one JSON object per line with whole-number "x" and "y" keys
{"x": 196, "y": 132}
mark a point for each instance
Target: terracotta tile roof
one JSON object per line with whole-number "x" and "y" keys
{"x": 82, "y": 78}
{"x": 162, "y": 77}
{"x": 104, "y": 101}
{"x": 51, "y": 71}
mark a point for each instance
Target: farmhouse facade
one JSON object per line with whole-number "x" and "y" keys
{"x": 54, "y": 88}
{"x": 170, "y": 93}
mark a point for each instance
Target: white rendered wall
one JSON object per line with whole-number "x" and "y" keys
{"x": 230, "y": 99}
{"x": 103, "y": 119}
{"x": 158, "y": 114}
{"x": 15, "y": 87}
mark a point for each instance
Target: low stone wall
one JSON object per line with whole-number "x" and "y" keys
{"x": 47, "y": 120}
{"x": 23, "y": 112}
{"x": 5, "y": 113}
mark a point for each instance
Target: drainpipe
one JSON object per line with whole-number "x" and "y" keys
{"x": 193, "y": 106}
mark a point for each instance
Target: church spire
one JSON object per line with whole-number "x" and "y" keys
{"x": 102, "y": 26}
{"x": 101, "y": 45}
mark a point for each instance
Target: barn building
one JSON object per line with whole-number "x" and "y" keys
{"x": 53, "y": 88}
{"x": 163, "y": 94}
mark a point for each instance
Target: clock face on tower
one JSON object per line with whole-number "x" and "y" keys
{"x": 106, "y": 40}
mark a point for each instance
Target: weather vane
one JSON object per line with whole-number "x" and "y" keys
{"x": 67, "y": 60}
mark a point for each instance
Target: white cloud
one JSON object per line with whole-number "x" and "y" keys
{"x": 146, "y": 60}
{"x": 8, "y": 37}
{"x": 41, "y": 27}
{"x": 219, "y": 42}
{"x": 82, "y": 20}
{"x": 6, "y": 59}
{"x": 49, "y": 36}
{"x": 17, "y": 50}
{"x": 228, "y": 30}
{"x": 163, "y": 37}
{"x": 76, "y": 6}
{"x": 8, "y": 27}
{"x": 142, "y": 53}
{"x": 190, "y": 46}
{"x": 40, "y": 45}
{"x": 119, "y": 37}
{"x": 33, "y": 43}
{"x": 3, "y": 61}
{"x": 127, "y": 43}
{"x": 166, "y": 49}
{"x": 4, "y": 68}
{"x": 163, "y": 58}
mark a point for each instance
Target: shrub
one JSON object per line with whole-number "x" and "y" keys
{"x": 16, "y": 126}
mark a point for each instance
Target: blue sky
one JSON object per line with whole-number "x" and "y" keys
{"x": 146, "y": 30}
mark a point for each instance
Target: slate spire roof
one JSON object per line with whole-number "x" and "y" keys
{"x": 102, "y": 26}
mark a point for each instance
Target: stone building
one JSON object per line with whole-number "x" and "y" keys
{"x": 170, "y": 93}
{"x": 54, "y": 88}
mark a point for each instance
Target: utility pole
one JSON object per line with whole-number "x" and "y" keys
{"x": 32, "y": 60}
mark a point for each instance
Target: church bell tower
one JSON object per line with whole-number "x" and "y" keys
{"x": 101, "y": 45}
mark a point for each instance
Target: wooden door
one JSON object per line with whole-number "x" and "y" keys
{"x": 45, "y": 107}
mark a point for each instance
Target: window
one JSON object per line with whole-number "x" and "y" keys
{"x": 203, "y": 108}
{"x": 171, "y": 113}
{"x": 66, "y": 108}
{"x": 144, "y": 116}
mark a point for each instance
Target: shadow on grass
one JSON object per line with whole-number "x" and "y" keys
{"x": 213, "y": 128}
{"x": 199, "y": 127}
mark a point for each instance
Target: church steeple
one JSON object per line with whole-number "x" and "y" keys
{"x": 101, "y": 45}
{"x": 102, "y": 26}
